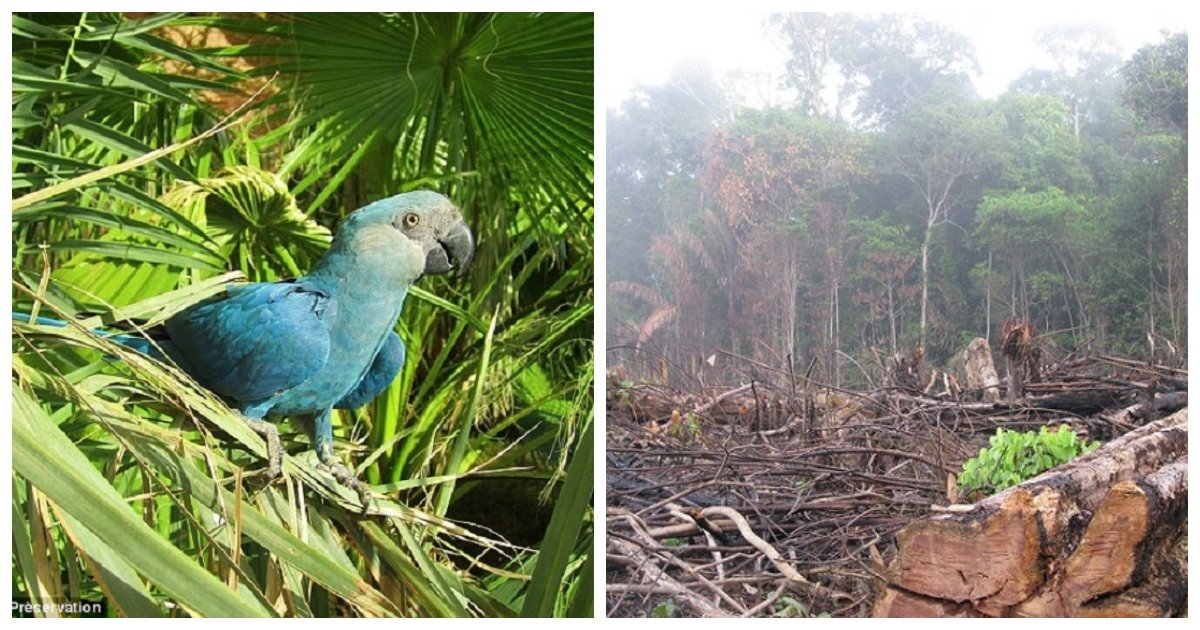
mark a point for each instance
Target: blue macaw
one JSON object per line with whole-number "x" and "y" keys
{"x": 324, "y": 341}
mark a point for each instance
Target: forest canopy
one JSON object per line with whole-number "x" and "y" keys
{"x": 890, "y": 207}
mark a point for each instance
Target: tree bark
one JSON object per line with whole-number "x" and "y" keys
{"x": 1016, "y": 387}
{"x": 1059, "y": 543}
{"x": 1120, "y": 543}
{"x": 903, "y": 604}
{"x": 925, "y": 280}
{"x": 981, "y": 370}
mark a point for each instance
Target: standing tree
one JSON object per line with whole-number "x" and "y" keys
{"x": 883, "y": 264}
{"x": 1156, "y": 83}
{"x": 783, "y": 181}
{"x": 1029, "y": 229}
{"x": 938, "y": 146}
{"x": 1038, "y": 148}
{"x": 814, "y": 41}
{"x": 655, "y": 142}
{"x": 1156, "y": 88}
{"x": 1085, "y": 59}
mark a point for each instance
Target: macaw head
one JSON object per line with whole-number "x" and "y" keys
{"x": 415, "y": 233}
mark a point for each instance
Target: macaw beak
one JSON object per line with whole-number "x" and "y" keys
{"x": 454, "y": 252}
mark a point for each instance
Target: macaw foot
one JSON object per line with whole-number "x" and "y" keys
{"x": 274, "y": 452}
{"x": 345, "y": 476}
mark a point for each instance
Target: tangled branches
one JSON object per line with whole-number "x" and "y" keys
{"x": 764, "y": 501}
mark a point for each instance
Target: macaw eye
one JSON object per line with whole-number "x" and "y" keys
{"x": 411, "y": 220}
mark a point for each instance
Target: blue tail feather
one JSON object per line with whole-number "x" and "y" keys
{"x": 23, "y": 318}
{"x": 159, "y": 349}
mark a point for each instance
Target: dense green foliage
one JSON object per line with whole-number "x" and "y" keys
{"x": 158, "y": 158}
{"x": 889, "y": 207}
{"x": 1014, "y": 457}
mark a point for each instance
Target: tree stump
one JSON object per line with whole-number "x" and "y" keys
{"x": 1089, "y": 538}
{"x": 981, "y": 370}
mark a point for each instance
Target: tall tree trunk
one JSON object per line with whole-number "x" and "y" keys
{"x": 925, "y": 281}
{"x": 1024, "y": 290}
{"x": 1012, "y": 292}
{"x": 1150, "y": 333}
{"x": 837, "y": 334}
{"x": 793, "y": 288}
{"x": 1075, "y": 116}
{"x": 988, "y": 300}
{"x": 892, "y": 314}
{"x": 1075, "y": 292}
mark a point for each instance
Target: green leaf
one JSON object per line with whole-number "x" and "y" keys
{"x": 124, "y": 145}
{"x": 121, "y": 74}
{"x": 117, "y": 579}
{"x": 433, "y": 598}
{"x": 28, "y": 83}
{"x": 44, "y": 456}
{"x": 565, "y": 523}
{"x": 32, "y": 30}
{"x": 464, "y": 92}
{"x": 125, "y": 224}
{"x": 135, "y": 252}
{"x": 168, "y": 50}
{"x": 123, "y": 28}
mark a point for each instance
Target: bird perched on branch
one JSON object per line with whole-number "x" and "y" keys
{"x": 324, "y": 341}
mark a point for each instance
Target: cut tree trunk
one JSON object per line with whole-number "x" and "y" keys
{"x": 1084, "y": 401}
{"x": 1121, "y": 543}
{"x": 1162, "y": 594}
{"x": 1016, "y": 387}
{"x": 981, "y": 370}
{"x": 1087, "y": 537}
{"x": 899, "y": 603}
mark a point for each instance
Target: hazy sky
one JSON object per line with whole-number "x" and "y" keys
{"x": 645, "y": 47}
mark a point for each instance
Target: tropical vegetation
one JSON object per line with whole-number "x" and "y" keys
{"x": 878, "y": 204}
{"x": 1013, "y": 457}
{"x": 158, "y": 157}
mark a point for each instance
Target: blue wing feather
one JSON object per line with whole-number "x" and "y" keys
{"x": 382, "y": 372}
{"x": 257, "y": 340}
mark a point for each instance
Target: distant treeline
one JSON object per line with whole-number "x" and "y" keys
{"x": 889, "y": 207}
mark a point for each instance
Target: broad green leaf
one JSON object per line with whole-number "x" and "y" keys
{"x": 44, "y": 456}
{"x": 119, "y": 581}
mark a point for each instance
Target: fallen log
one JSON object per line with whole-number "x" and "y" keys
{"x": 1123, "y": 420}
{"x": 1051, "y": 545}
{"x": 1135, "y": 519}
{"x": 899, "y": 603}
{"x": 1162, "y": 594}
{"x": 1123, "y": 539}
{"x": 1137, "y": 414}
{"x": 1083, "y": 401}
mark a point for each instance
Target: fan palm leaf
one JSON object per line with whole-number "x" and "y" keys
{"x": 504, "y": 98}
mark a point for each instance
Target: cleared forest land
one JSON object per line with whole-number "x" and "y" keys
{"x": 780, "y": 496}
